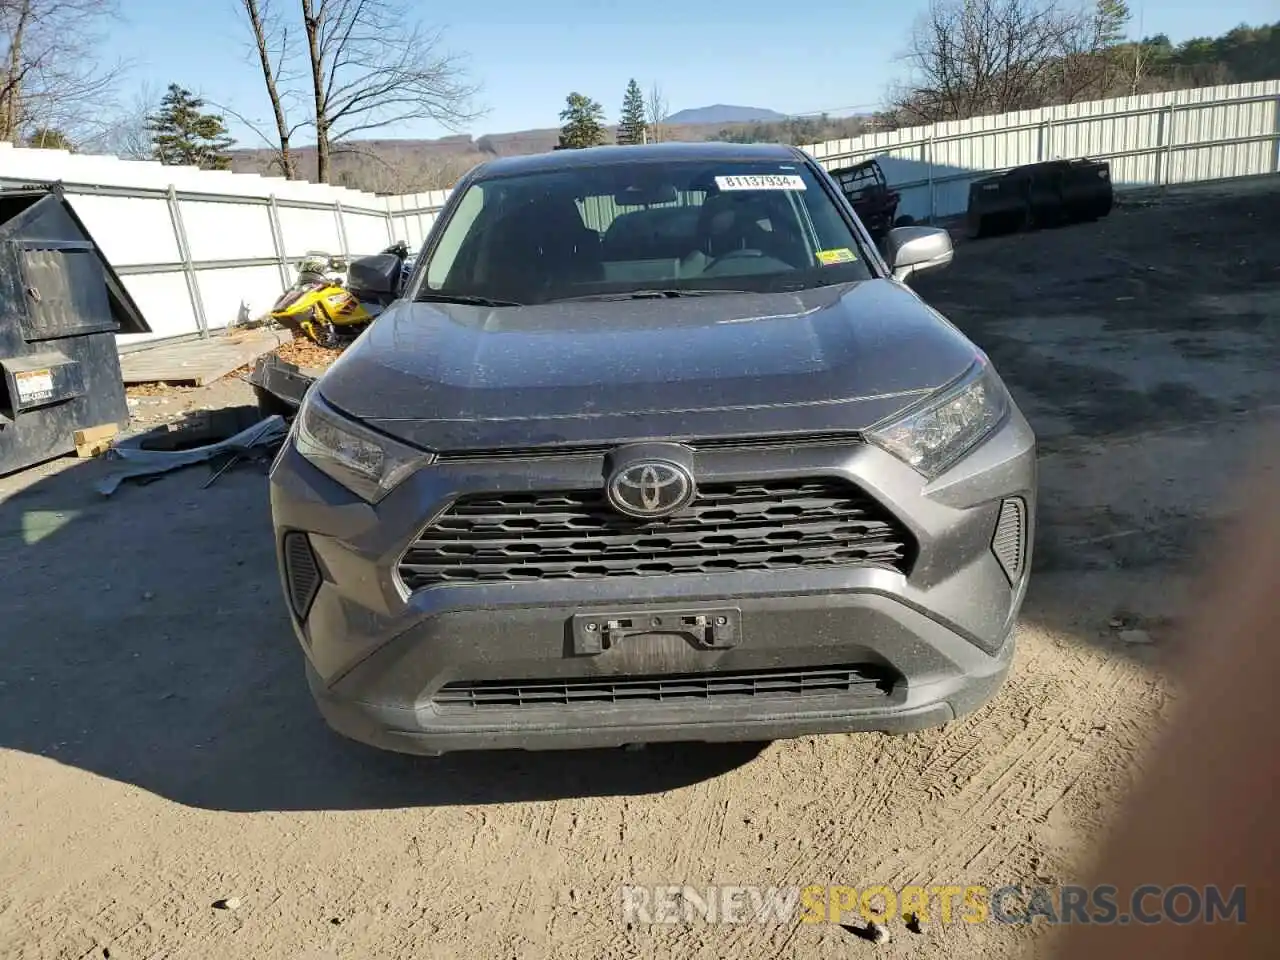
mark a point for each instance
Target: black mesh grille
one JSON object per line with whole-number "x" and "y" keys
{"x": 860, "y": 680}
{"x": 301, "y": 573}
{"x": 1010, "y": 540}
{"x": 766, "y": 525}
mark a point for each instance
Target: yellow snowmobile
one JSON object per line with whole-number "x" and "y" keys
{"x": 327, "y": 303}
{"x": 318, "y": 305}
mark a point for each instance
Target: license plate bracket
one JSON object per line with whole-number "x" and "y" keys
{"x": 707, "y": 628}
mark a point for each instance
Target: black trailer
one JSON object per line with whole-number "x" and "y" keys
{"x": 868, "y": 192}
{"x": 61, "y": 306}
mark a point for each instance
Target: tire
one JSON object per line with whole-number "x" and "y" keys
{"x": 906, "y": 220}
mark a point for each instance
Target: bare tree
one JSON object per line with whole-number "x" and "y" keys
{"x": 658, "y": 110}
{"x": 271, "y": 38}
{"x": 124, "y": 132}
{"x": 53, "y": 75}
{"x": 283, "y": 159}
{"x": 373, "y": 67}
{"x": 407, "y": 171}
{"x": 1091, "y": 63}
{"x": 974, "y": 57}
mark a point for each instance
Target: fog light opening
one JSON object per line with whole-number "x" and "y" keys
{"x": 302, "y": 573}
{"x": 1009, "y": 542}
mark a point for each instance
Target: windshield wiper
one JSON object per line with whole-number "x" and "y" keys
{"x": 650, "y": 294}
{"x": 464, "y": 298}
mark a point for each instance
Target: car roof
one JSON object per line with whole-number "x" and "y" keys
{"x": 652, "y": 152}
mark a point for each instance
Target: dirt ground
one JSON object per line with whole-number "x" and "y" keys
{"x": 159, "y": 750}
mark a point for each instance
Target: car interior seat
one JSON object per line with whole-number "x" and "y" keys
{"x": 542, "y": 245}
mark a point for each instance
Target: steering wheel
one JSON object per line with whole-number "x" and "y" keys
{"x": 734, "y": 255}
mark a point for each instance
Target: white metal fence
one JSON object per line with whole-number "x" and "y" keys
{"x": 1210, "y": 133}
{"x": 197, "y": 248}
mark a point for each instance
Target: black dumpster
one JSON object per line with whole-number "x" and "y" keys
{"x": 1044, "y": 191}
{"x": 61, "y": 306}
{"x": 1087, "y": 192}
{"x": 1047, "y": 194}
{"x": 997, "y": 205}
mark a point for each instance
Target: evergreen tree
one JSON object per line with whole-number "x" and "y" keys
{"x": 583, "y": 123}
{"x": 182, "y": 133}
{"x": 632, "y": 126}
{"x": 1112, "y": 20}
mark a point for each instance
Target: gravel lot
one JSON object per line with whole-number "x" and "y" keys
{"x": 159, "y": 751}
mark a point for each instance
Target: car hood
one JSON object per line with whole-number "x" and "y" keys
{"x": 459, "y": 377}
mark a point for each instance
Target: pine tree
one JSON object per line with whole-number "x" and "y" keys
{"x": 632, "y": 126}
{"x": 1112, "y": 20}
{"x": 182, "y": 133}
{"x": 583, "y": 123}
{"x": 1110, "y": 23}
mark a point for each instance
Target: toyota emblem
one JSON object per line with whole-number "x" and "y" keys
{"x": 649, "y": 489}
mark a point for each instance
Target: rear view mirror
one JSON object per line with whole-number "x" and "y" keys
{"x": 640, "y": 195}
{"x": 914, "y": 250}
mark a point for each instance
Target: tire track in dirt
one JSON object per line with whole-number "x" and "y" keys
{"x": 857, "y": 772}
{"x": 1023, "y": 781}
{"x": 978, "y": 788}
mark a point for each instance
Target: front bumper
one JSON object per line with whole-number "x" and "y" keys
{"x": 379, "y": 657}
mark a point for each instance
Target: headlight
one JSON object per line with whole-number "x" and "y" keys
{"x": 945, "y": 426}
{"x": 368, "y": 464}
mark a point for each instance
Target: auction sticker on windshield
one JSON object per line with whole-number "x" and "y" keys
{"x": 762, "y": 181}
{"x": 840, "y": 255}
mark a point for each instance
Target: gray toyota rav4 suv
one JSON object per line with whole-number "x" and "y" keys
{"x": 654, "y": 445}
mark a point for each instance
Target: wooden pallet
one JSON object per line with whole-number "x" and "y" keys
{"x": 198, "y": 362}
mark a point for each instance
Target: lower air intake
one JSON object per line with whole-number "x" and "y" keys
{"x": 859, "y": 680}
{"x": 302, "y": 573}
{"x": 1009, "y": 543}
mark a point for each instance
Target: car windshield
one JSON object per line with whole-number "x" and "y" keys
{"x": 643, "y": 229}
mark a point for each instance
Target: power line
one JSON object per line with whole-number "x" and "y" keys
{"x": 850, "y": 109}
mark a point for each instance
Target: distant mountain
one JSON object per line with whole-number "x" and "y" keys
{"x": 387, "y": 165}
{"x": 725, "y": 113}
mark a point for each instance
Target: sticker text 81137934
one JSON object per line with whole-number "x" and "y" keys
{"x": 762, "y": 181}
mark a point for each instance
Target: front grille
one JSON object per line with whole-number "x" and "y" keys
{"x": 763, "y": 525}
{"x": 859, "y": 680}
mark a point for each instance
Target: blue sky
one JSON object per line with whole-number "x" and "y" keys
{"x": 528, "y": 55}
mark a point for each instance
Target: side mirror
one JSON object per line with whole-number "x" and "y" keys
{"x": 376, "y": 277}
{"x": 913, "y": 250}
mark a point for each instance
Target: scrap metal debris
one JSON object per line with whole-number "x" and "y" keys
{"x": 144, "y": 463}
{"x": 279, "y": 385}
{"x": 237, "y": 456}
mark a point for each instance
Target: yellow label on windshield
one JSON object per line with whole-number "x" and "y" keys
{"x": 829, "y": 258}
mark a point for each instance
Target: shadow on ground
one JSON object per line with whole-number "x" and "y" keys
{"x": 145, "y": 640}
